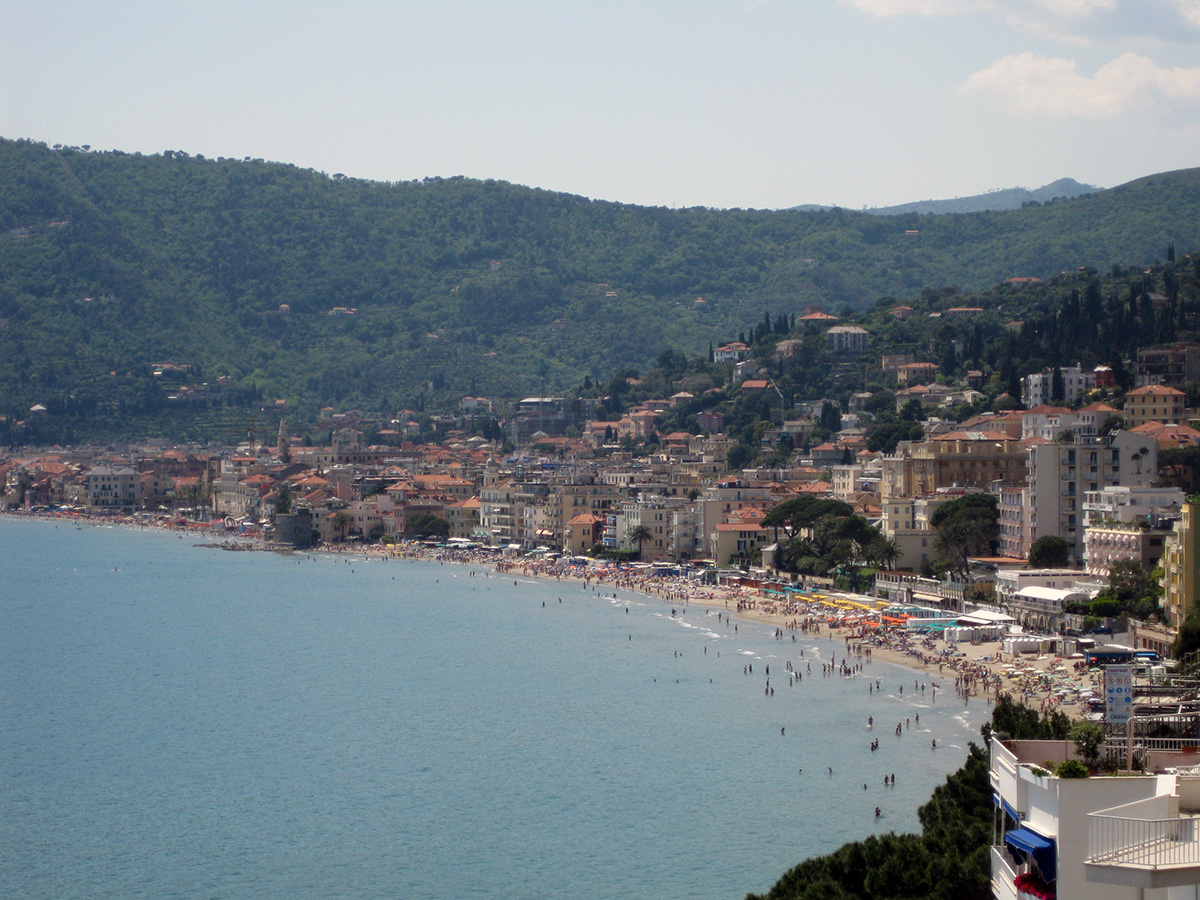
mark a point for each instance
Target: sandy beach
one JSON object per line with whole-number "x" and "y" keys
{"x": 982, "y": 670}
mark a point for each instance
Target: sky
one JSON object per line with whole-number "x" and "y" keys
{"x": 721, "y": 103}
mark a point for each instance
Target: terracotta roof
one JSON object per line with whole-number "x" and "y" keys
{"x": 1043, "y": 409}
{"x": 1159, "y": 389}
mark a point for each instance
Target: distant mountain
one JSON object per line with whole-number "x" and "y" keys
{"x": 998, "y": 200}
{"x": 1007, "y": 198}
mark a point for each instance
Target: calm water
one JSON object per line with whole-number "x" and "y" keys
{"x": 181, "y": 722}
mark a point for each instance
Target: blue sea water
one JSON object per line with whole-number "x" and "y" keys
{"x": 185, "y": 722}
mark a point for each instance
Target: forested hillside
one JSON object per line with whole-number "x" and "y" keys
{"x": 270, "y": 281}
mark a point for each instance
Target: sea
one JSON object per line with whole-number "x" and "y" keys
{"x": 180, "y": 721}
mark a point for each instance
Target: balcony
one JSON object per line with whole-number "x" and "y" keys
{"x": 1003, "y": 875}
{"x": 1150, "y": 845}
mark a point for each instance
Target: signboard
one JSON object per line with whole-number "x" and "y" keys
{"x": 1118, "y": 694}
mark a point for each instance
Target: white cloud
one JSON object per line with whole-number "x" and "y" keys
{"x": 1189, "y": 10}
{"x": 1032, "y": 85}
{"x": 1071, "y": 21}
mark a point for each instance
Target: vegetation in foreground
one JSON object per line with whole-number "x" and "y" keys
{"x": 949, "y": 859}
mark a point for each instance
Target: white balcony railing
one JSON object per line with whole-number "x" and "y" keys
{"x": 1003, "y": 876}
{"x": 1145, "y": 843}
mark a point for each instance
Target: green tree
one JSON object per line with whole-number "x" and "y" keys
{"x": 1071, "y": 768}
{"x": 638, "y": 534}
{"x": 948, "y": 860}
{"x": 1049, "y": 552}
{"x": 794, "y": 516}
{"x": 427, "y": 524}
{"x": 1088, "y": 738}
{"x": 1132, "y": 590}
{"x": 1188, "y": 639}
{"x": 341, "y": 524}
{"x": 1057, "y": 388}
{"x": 283, "y": 499}
{"x": 966, "y": 527}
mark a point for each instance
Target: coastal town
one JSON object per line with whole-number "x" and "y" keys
{"x": 619, "y": 504}
{"x": 553, "y": 483}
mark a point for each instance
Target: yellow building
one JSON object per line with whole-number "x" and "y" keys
{"x": 583, "y": 532}
{"x": 1154, "y": 403}
{"x": 1179, "y": 562}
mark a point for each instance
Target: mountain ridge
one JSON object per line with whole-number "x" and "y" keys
{"x": 1000, "y": 199}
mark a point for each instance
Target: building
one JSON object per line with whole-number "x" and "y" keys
{"x": 1060, "y": 474}
{"x": 955, "y": 459}
{"x": 583, "y": 532}
{"x": 1010, "y": 581}
{"x": 731, "y": 352}
{"x": 1154, "y": 403}
{"x": 1105, "y": 545}
{"x": 113, "y": 489}
{"x": 499, "y": 510}
{"x": 1176, "y": 364}
{"x": 1042, "y": 608}
{"x": 1038, "y": 388}
{"x": 1048, "y": 422}
{"x": 735, "y": 543}
{"x": 1181, "y": 556}
{"x": 906, "y": 521}
{"x": 1124, "y": 837}
{"x": 916, "y": 372}
{"x": 710, "y": 420}
{"x": 1131, "y": 503}
{"x": 847, "y": 340}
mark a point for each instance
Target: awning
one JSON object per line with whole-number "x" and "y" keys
{"x": 1008, "y": 808}
{"x": 1040, "y": 848}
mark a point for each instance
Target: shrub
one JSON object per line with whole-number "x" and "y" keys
{"x": 1072, "y": 768}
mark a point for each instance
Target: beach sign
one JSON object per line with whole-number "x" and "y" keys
{"x": 1118, "y": 694}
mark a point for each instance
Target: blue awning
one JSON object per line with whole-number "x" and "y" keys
{"x": 1006, "y": 806}
{"x": 1040, "y": 848}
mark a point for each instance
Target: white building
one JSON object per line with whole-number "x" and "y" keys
{"x": 1129, "y": 837}
{"x": 1131, "y": 503}
{"x": 1060, "y": 474}
{"x": 849, "y": 340}
{"x": 113, "y": 489}
{"x": 1010, "y": 581}
{"x": 1038, "y": 388}
{"x": 1041, "y": 608}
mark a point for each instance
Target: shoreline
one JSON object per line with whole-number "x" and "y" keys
{"x": 971, "y": 670}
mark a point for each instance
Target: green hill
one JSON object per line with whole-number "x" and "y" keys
{"x": 271, "y": 281}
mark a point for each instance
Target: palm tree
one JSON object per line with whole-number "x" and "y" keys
{"x": 638, "y": 534}
{"x": 1138, "y": 457}
{"x": 341, "y": 521}
{"x": 884, "y": 551}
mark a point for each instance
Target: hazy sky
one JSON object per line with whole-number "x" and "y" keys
{"x": 726, "y": 103}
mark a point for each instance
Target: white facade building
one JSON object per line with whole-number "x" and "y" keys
{"x": 1060, "y": 476}
{"x": 1037, "y": 389}
{"x": 1130, "y": 837}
